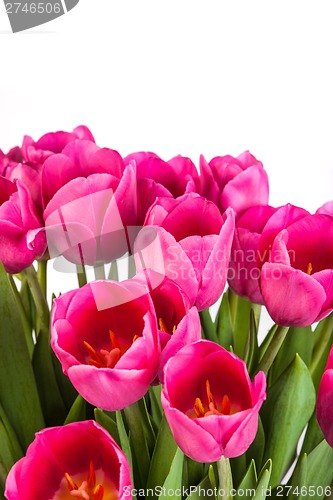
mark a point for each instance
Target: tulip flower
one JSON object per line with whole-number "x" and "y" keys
{"x": 18, "y": 220}
{"x": 192, "y": 245}
{"x": 325, "y": 401}
{"x": 13, "y": 157}
{"x": 255, "y": 232}
{"x": 105, "y": 336}
{"x": 178, "y": 175}
{"x": 239, "y": 182}
{"x": 327, "y": 208}
{"x": 178, "y": 322}
{"x": 78, "y": 460}
{"x": 210, "y": 402}
{"x": 36, "y": 153}
{"x": 297, "y": 280}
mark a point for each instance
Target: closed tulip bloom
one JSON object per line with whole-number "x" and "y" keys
{"x": 178, "y": 175}
{"x": 210, "y": 402}
{"x": 105, "y": 336}
{"x": 255, "y": 231}
{"x": 325, "y": 401}
{"x": 192, "y": 245}
{"x": 297, "y": 280}
{"x": 239, "y": 182}
{"x": 18, "y": 220}
{"x": 78, "y": 460}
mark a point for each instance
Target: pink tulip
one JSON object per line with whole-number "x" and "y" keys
{"x": 297, "y": 280}
{"x": 178, "y": 175}
{"x": 178, "y": 322}
{"x": 13, "y": 157}
{"x": 255, "y": 232}
{"x": 192, "y": 245}
{"x": 18, "y": 220}
{"x": 78, "y": 460}
{"x": 325, "y": 401}
{"x": 105, "y": 336}
{"x": 239, "y": 182}
{"x": 36, "y": 153}
{"x": 327, "y": 208}
{"x": 210, "y": 402}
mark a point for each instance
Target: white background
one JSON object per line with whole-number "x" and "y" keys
{"x": 183, "y": 77}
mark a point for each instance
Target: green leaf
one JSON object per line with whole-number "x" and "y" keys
{"x": 156, "y": 410}
{"x": 267, "y": 341}
{"x": 298, "y": 340}
{"x": 172, "y": 487}
{"x": 313, "y": 435}
{"x": 289, "y": 405}
{"x": 198, "y": 492}
{"x": 323, "y": 341}
{"x": 108, "y": 423}
{"x": 249, "y": 481}
{"x": 251, "y": 354}
{"x": 208, "y": 325}
{"x": 125, "y": 444}
{"x": 240, "y": 317}
{"x": 224, "y": 329}
{"x": 263, "y": 489}
{"x": 193, "y": 472}
{"x": 10, "y": 449}
{"x": 18, "y": 391}
{"x": 299, "y": 476}
{"x": 78, "y": 412}
{"x": 320, "y": 470}
{"x": 164, "y": 452}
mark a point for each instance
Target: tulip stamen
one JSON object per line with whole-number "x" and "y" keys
{"x": 225, "y": 409}
{"x": 309, "y": 269}
{"x": 199, "y": 408}
{"x": 105, "y": 358}
{"x": 211, "y": 408}
{"x": 88, "y": 490}
{"x": 210, "y": 397}
{"x": 162, "y": 326}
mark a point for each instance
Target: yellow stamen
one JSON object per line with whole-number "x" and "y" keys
{"x": 210, "y": 397}
{"x": 88, "y": 490}
{"x": 162, "y": 325}
{"x": 113, "y": 339}
{"x": 199, "y": 408}
{"x": 70, "y": 483}
{"x": 309, "y": 269}
{"x": 134, "y": 338}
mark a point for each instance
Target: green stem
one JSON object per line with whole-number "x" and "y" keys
{"x": 321, "y": 346}
{"x": 113, "y": 274}
{"x": 272, "y": 349}
{"x": 42, "y": 276}
{"x": 131, "y": 267}
{"x": 225, "y": 478}
{"x": 99, "y": 272}
{"x": 25, "y": 321}
{"x": 39, "y": 299}
{"x": 81, "y": 276}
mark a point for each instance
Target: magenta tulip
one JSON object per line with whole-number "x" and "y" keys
{"x": 327, "y": 208}
{"x": 178, "y": 322}
{"x": 18, "y": 221}
{"x": 13, "y": 157}
{"x": 36, "y": 153}
{"x": 255, "y": 232}
{"x": 178, "y": 175}
{"x": 78, "y": 460}
{"x": 239, "y": 182}
{"x": 105, "y": 336}
{"x": 210, "y": 402}
{"x": 192, "y": 245}
{"x": 297, "y": 280}
{"x": 325, "y": 401}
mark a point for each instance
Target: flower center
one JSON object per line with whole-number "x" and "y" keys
{"x": 211, "y": 406}
{"x": 106, "y": 358}
{"x": 309, "y": 269}
{"x": 88, "y": 490}
{"x": 163, "y": 327}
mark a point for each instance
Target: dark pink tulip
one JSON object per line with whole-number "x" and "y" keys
{"x": 178, "y": 175}
{"x": 78, "y": 460}
{"x": 325, "y": 401}
{"x": 255, "y": 232}
{"x": 178, "y": 322}
{"x": 51, "y": 143}
{"x": 18, "y": 221}
{"x": 192, "y": 245}
{"x": 105, "y": 336}
{"x": 210, "y": 402}
{"x": 239, "y": 182}
{"x": 13, "y": 157}
{"x": 327, "y": 208}
{"x": 297, "y": 280}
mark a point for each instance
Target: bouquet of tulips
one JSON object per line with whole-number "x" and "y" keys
{"x": 147, "y": 379}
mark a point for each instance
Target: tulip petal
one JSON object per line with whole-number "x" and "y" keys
{"x": 248, "y": 188}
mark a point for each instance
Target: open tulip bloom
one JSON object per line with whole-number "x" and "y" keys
{"x": 155, "y": 378}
